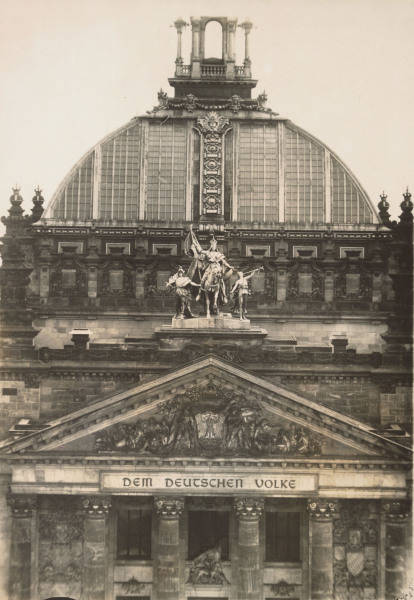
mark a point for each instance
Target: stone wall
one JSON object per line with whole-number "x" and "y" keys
{"x": 363, "y": 333}
{"x": 18, "y": 399}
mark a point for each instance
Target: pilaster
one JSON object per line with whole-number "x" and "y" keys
{"x": 249, "y": 579}
{"x": 395, "y": 527}
{"x": 321, "y": 513}
{"x": 168, "y": 568}
{"x": 5, "y": 536}
{"x": 96, "y": 509}
{"x": 22, "y": 574}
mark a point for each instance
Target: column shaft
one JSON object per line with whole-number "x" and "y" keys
{"x": 94, "y": 548}
{"x": 168, "y": 570}
{"x": 23, "y": 513}
{"x": 321, "y": 548}
{"x": 250, "y": 568}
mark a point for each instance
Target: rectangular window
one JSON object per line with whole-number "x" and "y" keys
{"x": 258, "y": 184}
{"x": 166, "y": 171}
{"x": 9, "y": 392}
{"x": 116, "y": 280}
{"x": 282, "y": 536}
{"x": 68, "y": 278}
{"x": 134, "y": 534}
{"x": 207, "y": 529}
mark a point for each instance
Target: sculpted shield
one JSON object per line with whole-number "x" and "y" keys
{"x": 355, "y": 559}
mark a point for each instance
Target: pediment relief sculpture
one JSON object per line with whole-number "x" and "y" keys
{"x": 210, "y": 422}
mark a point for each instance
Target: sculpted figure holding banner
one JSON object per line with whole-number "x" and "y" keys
{"x": 211, "y": 269}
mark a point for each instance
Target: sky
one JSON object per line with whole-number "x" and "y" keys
{"x": 72, "y": 71}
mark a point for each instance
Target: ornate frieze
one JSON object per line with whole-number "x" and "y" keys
{"x": 168, "y": 507}
{"x": 249, "y": 508}
{"x": 209, "y": 421}
{"x": 96, "y": 506}
{"x": 191, "y": 103}
{"x": 321, "y": 509}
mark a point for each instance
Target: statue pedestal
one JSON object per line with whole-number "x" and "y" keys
{"x": 218, "y": 330}
{"x": 222, "y": 321}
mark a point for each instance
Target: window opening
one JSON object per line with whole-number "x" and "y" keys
{"x": 207, "y": 529}
{"x": 282, "y": 536}
{"x": 134, "y": 534}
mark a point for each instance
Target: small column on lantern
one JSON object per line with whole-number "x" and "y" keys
{"x": 195, "y": 50}
{"x": 179, "y": 24}
{"x": 247, "y": 26}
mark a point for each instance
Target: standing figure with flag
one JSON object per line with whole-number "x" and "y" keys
{"x": 211, "y": 269}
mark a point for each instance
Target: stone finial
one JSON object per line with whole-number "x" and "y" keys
{"x": 96, "y": 506}
{"x": 249, "y": 508}
{"x": 321, "y": 509}
{"x": 406, "y": 217}
{"x": 37, "y": 209}
{"x": 383, "y": 206}
{"x": 15, "y": 210}
{"x": 169, "y": 508}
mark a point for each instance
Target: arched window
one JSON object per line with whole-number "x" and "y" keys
{"x": 213, "y": 40}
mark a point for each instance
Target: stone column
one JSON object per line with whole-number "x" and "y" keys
{"x": 94, "y": 572}
{"x": 168, "y": 569}
{"x": 5, "y": 531}
{"x": 395, "y": 516}
{"x": 195, "y": 51}
{"x": 249, "y": 579}
{"x": 23, "y": 509}
{"x": 321, "y": 548}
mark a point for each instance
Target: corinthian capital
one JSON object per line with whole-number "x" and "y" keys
{"x": 321, "y": 509}
{"x": 22, "y": 505}
{"x": 169, "y": 508}
{"x": 249, "y": 508}
{"x": 396, "y": 510}
{"x": 96, "y": 506}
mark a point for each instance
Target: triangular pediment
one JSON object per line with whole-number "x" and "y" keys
{"x": 208, "y": 409}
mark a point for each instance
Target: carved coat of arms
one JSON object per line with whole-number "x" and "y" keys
{"x": 355, "y": 560}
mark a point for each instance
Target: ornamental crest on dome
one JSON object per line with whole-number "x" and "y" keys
{"x": 212, "y": 122}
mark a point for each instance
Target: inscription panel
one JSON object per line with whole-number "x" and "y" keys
{"x": 214, "y": 483}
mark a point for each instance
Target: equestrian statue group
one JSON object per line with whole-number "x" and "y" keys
{"x": 206, "y": 279}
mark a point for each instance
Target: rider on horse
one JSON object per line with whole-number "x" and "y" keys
{"x": 214, "y": 262}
